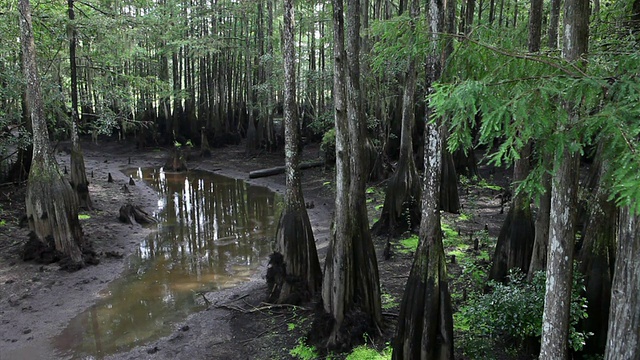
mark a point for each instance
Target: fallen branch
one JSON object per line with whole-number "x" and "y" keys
{"x": 280, "y": 169}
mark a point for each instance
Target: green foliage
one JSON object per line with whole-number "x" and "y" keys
{"x": 328, "y": 144}
{"x": 303, "y": 351}
{"x": 84, "y": 217}
{"x": 529, "y": 97}
{"x": 363, "y": 352}
{"x": 410, "y": 244}
{"x": 511, "y": 314}
{"x": 449, "y": 235}
{"x": 388, "y": 301}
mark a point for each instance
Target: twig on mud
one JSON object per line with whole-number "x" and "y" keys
{"x": 265, "y": 306}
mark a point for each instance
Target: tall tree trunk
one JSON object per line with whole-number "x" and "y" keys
{"x": 79, "y": 180}
{"x": 535, "y": 25}
{"x": 294, "y": 239}
{"x": 425, "y": 324}
{"x": 541, "y": 240}
{"x": 623, "y": 339}
{"x": 350, "y": 287}
{"x": 554, "y": 20}
{"x": 52, "y": 207}
{"x": 401, "y": 209}
{"x": 555, "y": 329}
{"x": 596, "y": 256}
{"x": 515, "y": 241}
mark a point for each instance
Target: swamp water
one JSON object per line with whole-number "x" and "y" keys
{"x": 213, "y": 233}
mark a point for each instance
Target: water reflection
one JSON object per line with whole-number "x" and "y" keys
{"x": 213, "y": 233}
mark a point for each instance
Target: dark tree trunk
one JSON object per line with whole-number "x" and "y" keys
{"x": 541, "y": 240}
{"x": 52, "y": 207}
{"x": 449, "y": 199}
{"x": 465, "y": 162}
{"x": 294, "y": 238}
{"x": 515, "y": 241}
{"x": 350, "y": 289}
{"x": 401, "y": 209}
{"x": 554, "y": 20}
{"x": 596, "y": 257}
{"x": 623, "y": 339}
{"x": 79, "y": 180}
{"x": 535, "y": 25}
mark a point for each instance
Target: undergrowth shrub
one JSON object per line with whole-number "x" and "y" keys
{"x": 510, "y": 316}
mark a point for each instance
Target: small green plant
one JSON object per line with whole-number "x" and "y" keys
{"x": 83, "y": 216}
{"x": 388, "y": 301}
{"x": 450, "y": 236}
{"x": 178, "y": 144}
{"x": 328, "y": 145}
{"x": 363, "y": 352}
{"x": 465, "y": 217}
{"x": 291, "y": 326}
{"x": 512, "y": 313}
{"x": 409, "y": 244}
{"x": 486, "y": 185}
{"x": 303, "y": 351}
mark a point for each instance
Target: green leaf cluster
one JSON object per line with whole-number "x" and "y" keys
{"x": 511, "y": 314}
{"x": 511, "y": 98}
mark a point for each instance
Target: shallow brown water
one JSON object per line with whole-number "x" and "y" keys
{"x": 213, "y": 234}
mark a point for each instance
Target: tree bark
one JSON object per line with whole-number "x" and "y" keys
{"x": 597, "y": 255}
{"x": 425, "y": 324}
{"x": 79, "y": 180}
{"x": 401, "y": 209}
{"x": 294, "y": 237}
{"x": 535, "y": 25}
{"x": 623, "y": 339}
{"x": 515, "y": 241}
{"x": 541, "y": 240}
{"x": 554, "y": 20}
{"x": 52, "y": 207}
{"x": 351, "y": 283}
{"x": 555, "y": 328}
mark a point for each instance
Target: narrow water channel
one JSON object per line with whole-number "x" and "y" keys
{"x": 213, "y": 233}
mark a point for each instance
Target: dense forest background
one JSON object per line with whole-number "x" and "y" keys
{"x": 548, "y": 87}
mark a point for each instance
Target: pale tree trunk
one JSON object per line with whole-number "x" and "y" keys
{"x": 401, "y": 209}
{"x": 425, "y": 324}
{"x": 623, "y": 339}
{"x": 351, "y": 283}
{"x": 555, "y": 328}
{"x": 52, "y": 207}
{"x": 79, "y": 180}
{"x": 294, "y": 239}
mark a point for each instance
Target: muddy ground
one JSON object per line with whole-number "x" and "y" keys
{"x": 38, "y": 301}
